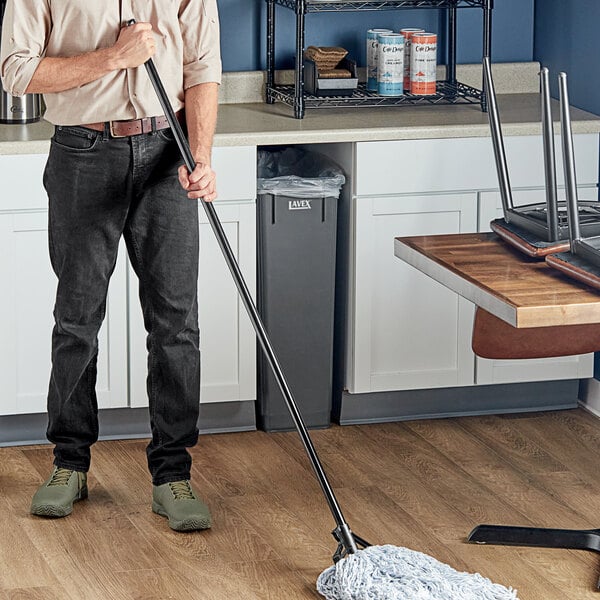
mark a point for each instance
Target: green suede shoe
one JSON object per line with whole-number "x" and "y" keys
{"x": 55, "y": 497}
{"x": 177, "y": 501}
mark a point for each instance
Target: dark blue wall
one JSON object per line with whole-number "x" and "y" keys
{"x": 512, "y": 32}
{"x": 243, "y": 31}
{"x": 567, "y": 39}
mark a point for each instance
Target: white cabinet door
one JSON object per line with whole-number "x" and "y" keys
{"x": 407, "y": 331}
{"x": 227, "y": 342}
{"x": 512, "y": 371}
{"x": 26, "y": 304}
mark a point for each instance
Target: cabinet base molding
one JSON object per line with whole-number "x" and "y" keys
{"x": 382, "y": 407}
{"x": 128, "y": 423}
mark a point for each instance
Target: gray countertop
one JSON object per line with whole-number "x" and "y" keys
{"x": 256, "y": 124}
{"x": 253, "y": 124}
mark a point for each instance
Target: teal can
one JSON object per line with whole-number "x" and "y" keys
{"x": 372, "y": 45}
{"x": 390, "y": 64}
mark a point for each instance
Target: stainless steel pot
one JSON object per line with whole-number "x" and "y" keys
{"x": 22, "y": 109}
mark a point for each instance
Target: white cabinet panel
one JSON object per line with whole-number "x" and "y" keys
{"x": 22, "y": 186}
{"x": 227, "y": 341}
{"x": 408, "y": 331}
{"x": 444, "y": 165}
{"x": 26, "y": 305}
{"x": 236, "y": 172}
{"x": 542, "y": 369}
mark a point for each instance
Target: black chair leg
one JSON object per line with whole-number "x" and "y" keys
{"x": 573, "y": 539}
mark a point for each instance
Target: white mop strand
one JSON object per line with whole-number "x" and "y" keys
{"x": 394, "y": 573}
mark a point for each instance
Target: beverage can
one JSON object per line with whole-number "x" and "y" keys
{"x": 408, "y": 32}
{"x": 390, "y": 64}
{"x": 372, "y": 44}
{"x": 423, "y": 64}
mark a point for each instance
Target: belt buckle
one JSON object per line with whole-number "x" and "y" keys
{"x": 112, "y": 131}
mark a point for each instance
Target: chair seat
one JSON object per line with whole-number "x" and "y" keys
{"x": 495, "y": 338}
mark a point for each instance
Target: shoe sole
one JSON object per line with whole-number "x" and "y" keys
{"x": 190, "y": 524}
{"x": 56, "y": 511}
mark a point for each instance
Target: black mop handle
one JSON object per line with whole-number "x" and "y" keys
{"x": 348, "y": 538}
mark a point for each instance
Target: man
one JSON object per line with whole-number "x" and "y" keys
{"x": 114, "y": 169}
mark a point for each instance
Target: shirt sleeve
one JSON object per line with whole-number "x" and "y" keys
{"x": 25, "y": 30}
{"x": 199, "y": 20}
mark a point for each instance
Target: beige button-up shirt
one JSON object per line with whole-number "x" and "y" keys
{"x": 187, "y": 53}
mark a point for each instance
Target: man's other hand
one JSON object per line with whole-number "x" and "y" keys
{"x": 201, "y": 183}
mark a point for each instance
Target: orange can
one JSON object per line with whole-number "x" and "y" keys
{"x": 408, "y": 32}
{"x": 423, "y": 64}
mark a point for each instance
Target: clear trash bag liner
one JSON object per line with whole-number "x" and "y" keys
{"x": 298, "y": 174}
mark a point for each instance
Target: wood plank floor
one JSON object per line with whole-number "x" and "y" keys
{"x": 420, "y": 484}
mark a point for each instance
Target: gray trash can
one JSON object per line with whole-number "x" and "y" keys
{"x": 298, "y": 194}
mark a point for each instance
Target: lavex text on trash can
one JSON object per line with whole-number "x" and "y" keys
{"x": 408, "y": 32}
{"x": 372, "y": 57}
{"x": 423, "y": 64}
{"x": 390, "y": 64}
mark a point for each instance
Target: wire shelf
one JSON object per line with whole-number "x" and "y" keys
{"x": 354, "y": 5}
{"x": 447, "y": 93}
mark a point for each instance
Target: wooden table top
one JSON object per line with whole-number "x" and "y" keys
{"x": 522, "y": 291}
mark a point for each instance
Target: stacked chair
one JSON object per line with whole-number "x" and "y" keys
{"x": 535, "y": 229}
{"x": 567, "y": 236}
{"x": 539, "y": 231}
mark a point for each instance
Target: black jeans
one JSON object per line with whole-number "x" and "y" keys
{"x": 100, "y": 188}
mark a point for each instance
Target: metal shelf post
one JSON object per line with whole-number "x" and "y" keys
{"x": 270, "y": 49}
{"x": 299, "y": 73}
{"x": 487, "y": 43}
{"x": 451, "y": 60}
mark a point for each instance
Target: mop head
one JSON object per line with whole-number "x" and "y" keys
{"x": 393, "y": 573}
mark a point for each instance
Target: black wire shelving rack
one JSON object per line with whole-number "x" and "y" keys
{"x": 449, "y": 90}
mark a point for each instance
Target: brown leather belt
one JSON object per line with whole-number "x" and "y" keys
{"x": 120, "y": 129}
